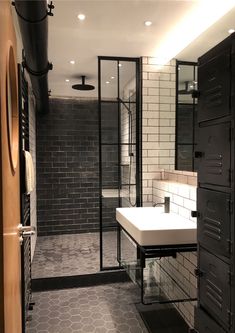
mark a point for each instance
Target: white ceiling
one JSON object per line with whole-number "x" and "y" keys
{"x": 116, "y": 28}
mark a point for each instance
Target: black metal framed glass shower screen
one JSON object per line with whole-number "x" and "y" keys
{"x": 120, "y": 124}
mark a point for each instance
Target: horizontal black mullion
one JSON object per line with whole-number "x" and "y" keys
{"x": 107, "y": 227}
{"x": 116, "y": 101}
{"x": 185, "y": 144}
{"x": 128, "y": 184}
{"x": 116, "y": 144}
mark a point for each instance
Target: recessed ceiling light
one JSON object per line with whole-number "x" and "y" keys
{"x": 230, "y": 31}
{"x": 67, "y": 80}
{"x": 119, "y": 65}
{"x": 81, "y": 17}
{"x": 72, "y": 62}
{"x": 107, "y": 82}
{"x": 148, "y": 23}
{"x": 112, "y": 77}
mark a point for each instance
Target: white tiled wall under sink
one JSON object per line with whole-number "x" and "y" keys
{"x": 181, "y": 188}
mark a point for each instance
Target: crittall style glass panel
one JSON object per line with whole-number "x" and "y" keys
{"x": 120, "y": 148}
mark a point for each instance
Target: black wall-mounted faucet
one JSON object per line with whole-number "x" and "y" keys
{"x": 166, "y": 204}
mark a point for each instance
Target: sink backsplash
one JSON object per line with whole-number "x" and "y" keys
{"x": 181, "y": 189}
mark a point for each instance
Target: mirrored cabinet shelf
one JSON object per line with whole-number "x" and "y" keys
{"x": 186, "y": 115}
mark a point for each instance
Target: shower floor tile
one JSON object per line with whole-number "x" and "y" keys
{"x": 100, "y": 309}
{"x": 66, "y": 255}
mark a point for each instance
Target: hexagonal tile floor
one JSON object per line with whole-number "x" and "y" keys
{"x": 100, "y": 309}
{"x": 75, "y": 254}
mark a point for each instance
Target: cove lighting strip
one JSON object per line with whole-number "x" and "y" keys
{"x": 204, "y": 15}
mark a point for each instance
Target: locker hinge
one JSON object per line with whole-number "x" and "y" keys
{"x": 230, "y": 278}
{"x": 230, "y": 318}
{"x": 230, "y": 206}
{"x": 231, "y": 134}
{"x": 230, "y": 248}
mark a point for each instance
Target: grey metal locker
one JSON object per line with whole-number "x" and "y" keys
{"x": 214, "y": 149}
{"x": 214, "y": 221}
{"x": 215, "y": 201}
{"x": 214, "y": 78}
{"x": 214, "y": 287}
{"x": 206, "y": 324}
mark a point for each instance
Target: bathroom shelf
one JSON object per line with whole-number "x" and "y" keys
{"x": 113, "y": 193}
{"x": 149, "y": 272}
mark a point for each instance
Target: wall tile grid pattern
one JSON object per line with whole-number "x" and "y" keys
{"x": 180, "y": 187}
{"x": 158, "y": 137}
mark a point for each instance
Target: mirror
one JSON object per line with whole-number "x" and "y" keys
{"x": 186, "y": 115}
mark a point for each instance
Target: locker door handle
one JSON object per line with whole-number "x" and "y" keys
{"x": 195, "y": 94}
{"x": 195, "y": 213}
{"x": 26, "y": 231}
{"x": 198, "y": 154}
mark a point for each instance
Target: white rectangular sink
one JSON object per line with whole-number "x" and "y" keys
{"x": 151, "y": 226}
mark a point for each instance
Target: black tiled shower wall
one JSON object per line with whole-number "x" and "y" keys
{"x": 68, "y": 167}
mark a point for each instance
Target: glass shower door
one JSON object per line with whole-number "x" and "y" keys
{"x": 120, "y": 148}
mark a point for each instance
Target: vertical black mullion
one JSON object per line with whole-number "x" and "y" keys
{"x": 119, "y": 135}
{"x": 119, "y": 161}
{"x": 100, "y": 163}
{"x": 176, "y": 114}
{"x": 193, "y": 143}
{"x": 138, "y": 132}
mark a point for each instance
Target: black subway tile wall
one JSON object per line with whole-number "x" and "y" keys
{"x": 68, "y": 167}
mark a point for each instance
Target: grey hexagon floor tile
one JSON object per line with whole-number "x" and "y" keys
{"x": 58, "y": 255}
{"x": 114, "y": 310}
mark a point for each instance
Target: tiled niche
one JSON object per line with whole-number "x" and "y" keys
{"x": 158, "y": 138}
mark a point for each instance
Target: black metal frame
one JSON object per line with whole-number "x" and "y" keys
{"x": 158, "y": 251}
{"x": 138, "y": 62}
{"x": 187, "y": 63}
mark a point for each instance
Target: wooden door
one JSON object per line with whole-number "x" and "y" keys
{"x": 10, "y": 267}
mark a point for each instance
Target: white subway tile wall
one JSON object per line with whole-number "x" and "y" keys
{"x": 158, "y": 121}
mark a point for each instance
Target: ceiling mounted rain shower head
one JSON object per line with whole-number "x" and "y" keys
{"x": 83, "y": 86}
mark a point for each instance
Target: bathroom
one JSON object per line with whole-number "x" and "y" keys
{"x": 81, "y": 179}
